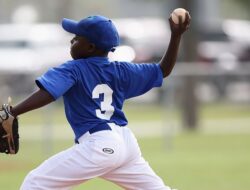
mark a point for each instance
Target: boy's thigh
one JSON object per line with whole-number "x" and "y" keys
{"x": 64, "y": 170}
{"x": 136, "y": 175}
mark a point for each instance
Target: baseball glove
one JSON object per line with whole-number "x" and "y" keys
{"x": 9, "y": 137}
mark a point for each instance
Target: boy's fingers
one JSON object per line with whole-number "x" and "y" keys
{"x": 170, "y": 19}
{"x": 180, "y": 19}
{"x": 187, "y": 18}
{"x": 186, "y": 23}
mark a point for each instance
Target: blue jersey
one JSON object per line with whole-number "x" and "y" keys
{"x": 94, "y": 89}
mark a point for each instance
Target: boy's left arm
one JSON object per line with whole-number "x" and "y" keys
{"x": 169, "y": 59}
{"x": 36, "y": 100}
{"x": 9, "y": 136}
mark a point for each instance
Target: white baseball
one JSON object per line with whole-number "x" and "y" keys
{"x": 178, "y": 12}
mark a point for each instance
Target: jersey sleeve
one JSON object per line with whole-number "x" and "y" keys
{"x": 58, "y": 80}
{"x": 140, "y": 78}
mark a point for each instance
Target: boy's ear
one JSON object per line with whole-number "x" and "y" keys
{"x": 92, "y": 47}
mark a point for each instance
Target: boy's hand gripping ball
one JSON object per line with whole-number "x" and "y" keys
{"x": 179, "y": 12}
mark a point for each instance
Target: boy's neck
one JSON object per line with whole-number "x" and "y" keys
{"x": 99, "y": 53}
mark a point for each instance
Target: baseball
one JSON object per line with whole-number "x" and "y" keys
{"x": 178, "y": 12}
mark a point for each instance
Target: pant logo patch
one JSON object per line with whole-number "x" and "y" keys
{"x": 108, "y": 150}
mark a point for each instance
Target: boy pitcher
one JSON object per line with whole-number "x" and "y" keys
{"x": 94, "y": 90}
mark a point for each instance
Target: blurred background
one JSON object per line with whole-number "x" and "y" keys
{"x": 194, "y": 131}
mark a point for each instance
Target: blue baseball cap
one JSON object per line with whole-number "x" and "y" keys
{"x": 97, "y": 29}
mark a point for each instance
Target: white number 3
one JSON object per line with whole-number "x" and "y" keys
{"x": 107, "y": 109}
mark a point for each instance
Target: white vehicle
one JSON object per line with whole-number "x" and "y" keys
{"x": 227, "y": 44}
{"x": 31, "y": 47}
{"x": 145, "y": 39}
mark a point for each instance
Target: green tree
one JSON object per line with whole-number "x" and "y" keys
{"x": 245, "y": 4}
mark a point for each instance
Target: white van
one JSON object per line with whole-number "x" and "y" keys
{"x": 32, "y": 47}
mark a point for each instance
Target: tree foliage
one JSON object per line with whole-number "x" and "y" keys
{"x": 243, "y": 3}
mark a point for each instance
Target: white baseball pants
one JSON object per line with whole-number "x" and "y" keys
{"x": 112, "y": 155}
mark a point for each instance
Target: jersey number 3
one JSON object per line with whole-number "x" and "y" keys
{"x": 106, "y": 109}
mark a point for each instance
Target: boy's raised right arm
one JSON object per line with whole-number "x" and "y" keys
{"x": 169, "y": 58}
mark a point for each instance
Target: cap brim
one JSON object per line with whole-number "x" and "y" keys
{"x": 69, "y": 25}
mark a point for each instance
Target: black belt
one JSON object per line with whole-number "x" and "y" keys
{"x": 99, "y": 128}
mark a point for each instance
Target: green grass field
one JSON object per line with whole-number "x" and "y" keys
{"x": 187, "y": 161}
{"x": 191, "y": 162}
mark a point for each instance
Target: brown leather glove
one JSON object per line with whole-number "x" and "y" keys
{"x": 9, "y": 137}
